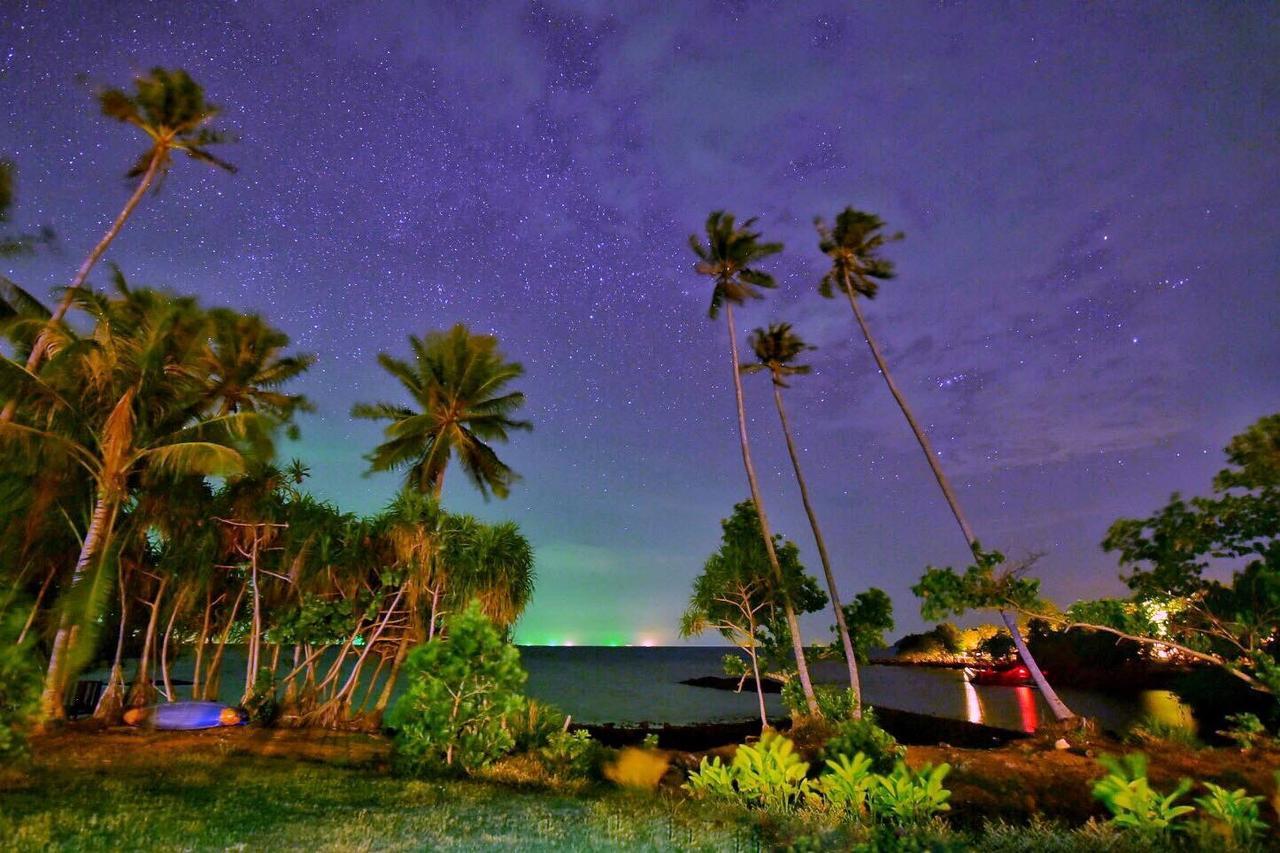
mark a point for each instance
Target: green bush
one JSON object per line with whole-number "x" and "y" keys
{"x": 767, "y": 774}
{"x": 462, "y": 695}
{"x": 19, "y": 688}
{"x": 846, "y": 786}
{"x": 533, "y": 726}
{"x": 1134, "y": 805}
{"x": 911, "y": 798}
{"x": 1245, "y": 729}
{"x": 1153, "y": 730}
{"x": 1232, "y": 815}
{"x": 864, "y": 736}
{"x": 571, "y": 754}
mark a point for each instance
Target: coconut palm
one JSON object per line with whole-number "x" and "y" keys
{"x": 729, "y": 258}
{"x": 246, "y": 365}
{"x": 123, "y": 404}
{"x": 853, "y": 244}
{"x": 170, "y": 110}
{"x": 458, "y": 384}
{"x": 776, "y": 349}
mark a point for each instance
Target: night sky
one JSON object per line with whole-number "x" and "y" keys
{"x": 1086, "y": 309}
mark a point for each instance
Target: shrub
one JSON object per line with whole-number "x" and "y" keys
{"x": 571, "y": 754}
{"x": 19, "y": 688}
{"x": 910, "y": 798}
{"x": 767, "y": 774}
{"x": 637, "y": 768}
{"x": 533, "y": 726}
{"x": 462, "y": 693}
{"x": 1154, "y": 731}
{"x": 1232, "y": 815}
{"x": 1245, "y": 729}
{"x": 1133, "y": 803}
{"x": 846, "y": 786}
{"x": 864, "y": 736}
{"x": 263, "y": 705}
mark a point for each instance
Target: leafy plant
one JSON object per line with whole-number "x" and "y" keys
{"x": 462, "y": 692}
{"x": 711, "y": 779}
{"x": 19, "y": 688}
{"x": 1245, "y": 729}
{"x": 846, "y": 786}
{"x": 571, "y": 753}
{"x": 263, "y": 704}
{"x": 864, "y": 736}
{"x": 769, "y": 773}
{"x": 1233, "y": 815}
{"x": 533, "y": 727}
{"x": 1153, "y": 730}
{"x": 910, "y": 798}
{"x": 1133, "y": 803}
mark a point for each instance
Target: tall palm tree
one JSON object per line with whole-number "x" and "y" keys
{"x": 776, "y": 349}
{"x": 729, "y": 258}
{"x": 123, "y": 404}
{"x": 853, "y": 244}
{"x": 458, "y": 384}
{"x": 170, "y": 109}
{"x": 246, "y": 366}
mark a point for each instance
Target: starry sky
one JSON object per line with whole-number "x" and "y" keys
{"x": 1086, "y": 309}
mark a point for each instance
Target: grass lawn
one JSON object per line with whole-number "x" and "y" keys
{"x": 96, "y": 793}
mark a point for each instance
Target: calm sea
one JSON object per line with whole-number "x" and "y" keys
{"x": 602, "y": 684}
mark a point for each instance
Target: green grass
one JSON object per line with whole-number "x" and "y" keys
{"x": 247, "y": 802}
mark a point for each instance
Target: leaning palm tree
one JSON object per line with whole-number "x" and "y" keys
{"x": 776, "y": 349}
{"x": 853, "y": 244}
{"x": 729, "y": 258}
{"x": 170, "y": 109}
{"x": 123, "y": 404}
{"x": 458, "y": 384}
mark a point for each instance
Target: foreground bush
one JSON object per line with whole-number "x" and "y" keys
{"x": 462, "y": 697}
{"x": 19, "y": 688}
{"x": 864, "y": 736}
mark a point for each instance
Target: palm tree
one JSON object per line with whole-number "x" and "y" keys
{"x": 729, "y": 258}
{"x": 246, "y": 367}
{"x": 123, "y": 404}
{"x": 853, "y": 244}
{"x": 457, "y": 381}
{"x": 170, "y": 109}
{"x": 776, "y": 349}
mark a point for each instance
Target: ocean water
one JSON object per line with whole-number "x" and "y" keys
{"x": 610, "y": 684}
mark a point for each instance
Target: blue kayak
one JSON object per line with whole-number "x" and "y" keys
{"x": 184, "y": 716}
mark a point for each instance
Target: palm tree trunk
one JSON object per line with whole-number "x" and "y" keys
{"x": 797, "y": 642}
{"x": 164, "y": 647}
{"x": 111, "y": 702}
{"x": 1060, "y": 709}
{"x": 143, "y": 691}
{"x": 855, "y": 685}
{"x": 200, "y": 644}
{"x": 42, "y": 341}
{"x": 52, "y": 709}
{"x": 35, "y": 608}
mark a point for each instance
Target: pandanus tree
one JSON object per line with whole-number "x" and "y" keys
{"x": 170, "y": 110}
{"x": 729, "y": 258}
{"x": 854, "y": 243}
{"x": 124, "y": 404}
{"x": 777, "y": 349}
{"x": 458, "y": 383}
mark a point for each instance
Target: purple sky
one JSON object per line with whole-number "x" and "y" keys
{"x": 1086, "y": 309}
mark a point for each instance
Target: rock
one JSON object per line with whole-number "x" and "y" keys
{"x": 1061, "y": 744}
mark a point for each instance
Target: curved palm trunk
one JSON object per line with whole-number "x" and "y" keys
{"x": 52, "y": 709}
{"x": 1059, "y": 708}
{"x": 797, "y": 642}
{"x": 42, "y": 341}
{"x": 143, "y": 691}
{"x": 111, "y": 702}
{"x": 846, "y": 641}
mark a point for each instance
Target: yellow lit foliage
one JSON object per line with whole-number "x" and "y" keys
{"x": 637, "y": 768}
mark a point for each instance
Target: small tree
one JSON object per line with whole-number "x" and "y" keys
{"x": 19, "y": 687}
{"x": 461, "y": 693}
{"x": 868, "y": 616}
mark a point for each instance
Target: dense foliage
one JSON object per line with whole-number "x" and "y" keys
{"x": 462, "y": 693}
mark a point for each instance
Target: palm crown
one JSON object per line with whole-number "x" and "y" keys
{"x": 457, "y": 381}
{"x": 853, "y": 244}
{"x": 247, "y": 366}
{"x": 169, "y": 107}
{"x": 729, "y": 256}
{"x": 777, "y": 349}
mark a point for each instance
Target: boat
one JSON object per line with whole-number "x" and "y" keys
{"x": 185, "y": 716}
{"x": 1003, "y": 675}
